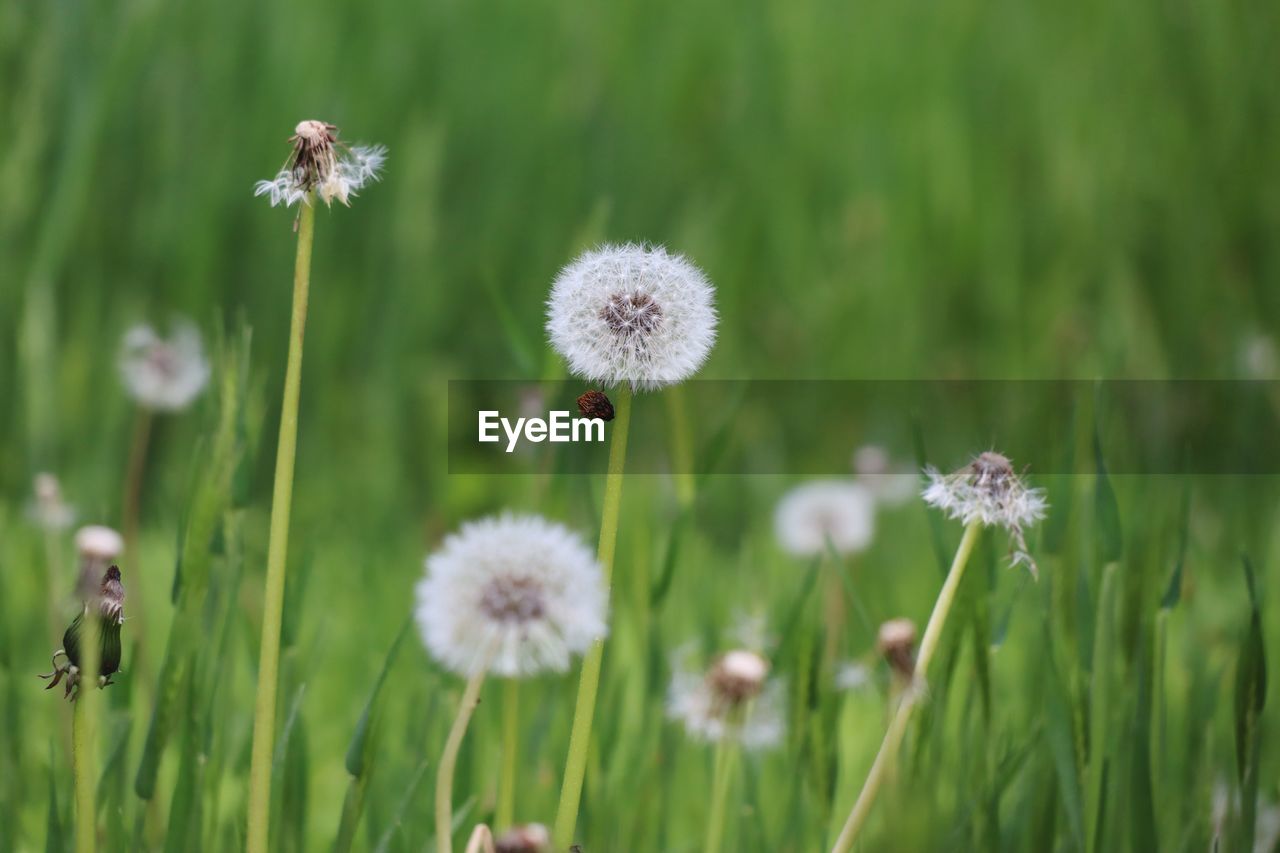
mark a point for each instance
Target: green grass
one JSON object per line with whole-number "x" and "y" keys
{"x": 899, "y": 191}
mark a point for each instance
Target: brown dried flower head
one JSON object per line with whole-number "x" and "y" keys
{"x": 594, "y": 404}
{"x": 737, "y": 677}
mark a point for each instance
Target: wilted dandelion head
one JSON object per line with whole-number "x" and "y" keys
{"x": 633, "y": 314}
{"x": 518, "y": 594}
{"x": 161, "y": 374}
{"x": 825, "y": 511}
{"x": 989, "y": 491}
{"x": 734, "y": 698}
{"x": 49, "y": 509}
{"x": 525, "y": 838}
{"x": 320, "y": 163}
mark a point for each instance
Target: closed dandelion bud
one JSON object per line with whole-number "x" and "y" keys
{"x": 106, "y": 603}
{"x": 594, "y": 404}
{"x": 896, "y": 641}
{"x": 527, "y": 838}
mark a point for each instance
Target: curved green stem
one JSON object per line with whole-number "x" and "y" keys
{"x": 589, "y": 682}
{"x": 264, "y": 716}
{"x": 449, "y": 759}
{"x": 898, "y": 725}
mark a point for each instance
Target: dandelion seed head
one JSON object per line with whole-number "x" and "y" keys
{"x": 835, "y": 511}
{"x": 321, "y": 163}
{"x": 519, "y": 592}
{"x": 634, "y": 314}
{"x": 99, "y": 543}
{"x": 164, "y": 375}
{"x": 49, "y": 509}
{"x": 733, "y": 699}
{"x": 990, "y": 492}
{"x": 852, "y": 676}
{"x": 888, "y": 484}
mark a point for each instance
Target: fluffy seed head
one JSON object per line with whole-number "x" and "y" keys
{"x": 518, "y": 593}
{"x": 49, "y": 509}
{"x": 888, "y": 484}
{"x": 835, "y": 511}
{"x": 96, "y": 542}
{"x": 161, "y": 374}
{"x": 321, "y": 163}
{"x": 989, "y": 491}
{"x": 632, "y": 314}
{"x": 733, "y": 699}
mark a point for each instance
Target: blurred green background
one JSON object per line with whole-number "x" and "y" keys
{"x": 955, "y": 189}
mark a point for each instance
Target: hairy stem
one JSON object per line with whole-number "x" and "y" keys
{"x": 912, "y": 697}
{"x": 264, "y": 716}
{"x": 589, "y": 682}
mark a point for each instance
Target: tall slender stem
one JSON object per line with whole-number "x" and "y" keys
{"x": 84, "y": 733}
{"x": 449, "y": 759}
{"x": 912, "y": 697}
{"x": 722, "y": 777}
{"x": 589, "y": 682}
{"x": 264, "y": 716}
{"x": 505, "y": 812}
{"x": 130, "y": 513}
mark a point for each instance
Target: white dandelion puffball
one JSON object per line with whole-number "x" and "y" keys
{"x": 835, "y": 511}
{"x": 633, "y": 314}
{"x": 517, "y": 595}
{"x": 990, "y": 492}
{"x": 160, "y": 374}
{"x": 320, "y": 163}
{"x": 96, "y": 542}
{"x": 734, "y": 699}
{"x": 50, "y": 510}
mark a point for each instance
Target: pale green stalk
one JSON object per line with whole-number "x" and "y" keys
{"x": 505, "y": 811}
{"x": 84, "y": 733}
{"x": 589, "y": 682}
{"x": 264, "y": 717}
{"x": 444, "y": 775}
{"x": 721, "y": 781}
{"x": 898, "y": 725}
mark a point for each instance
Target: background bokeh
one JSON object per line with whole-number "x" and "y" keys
{"x": 957, "y": 189}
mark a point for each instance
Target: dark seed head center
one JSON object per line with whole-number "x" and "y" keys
{"x": 632, "y": 314}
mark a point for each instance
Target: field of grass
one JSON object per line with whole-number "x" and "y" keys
{"x": 916, "y": 191}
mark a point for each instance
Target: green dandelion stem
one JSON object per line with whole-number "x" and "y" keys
{"x": 264, "y": 717}
{"x": 722, "y": 777}
{"x": 448, "y": 760}
{"x": 505, "y": 812}
{"x": 84, "y": 736}
{"x": 589, "y": 682}
{"x": 898, "y": 725}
